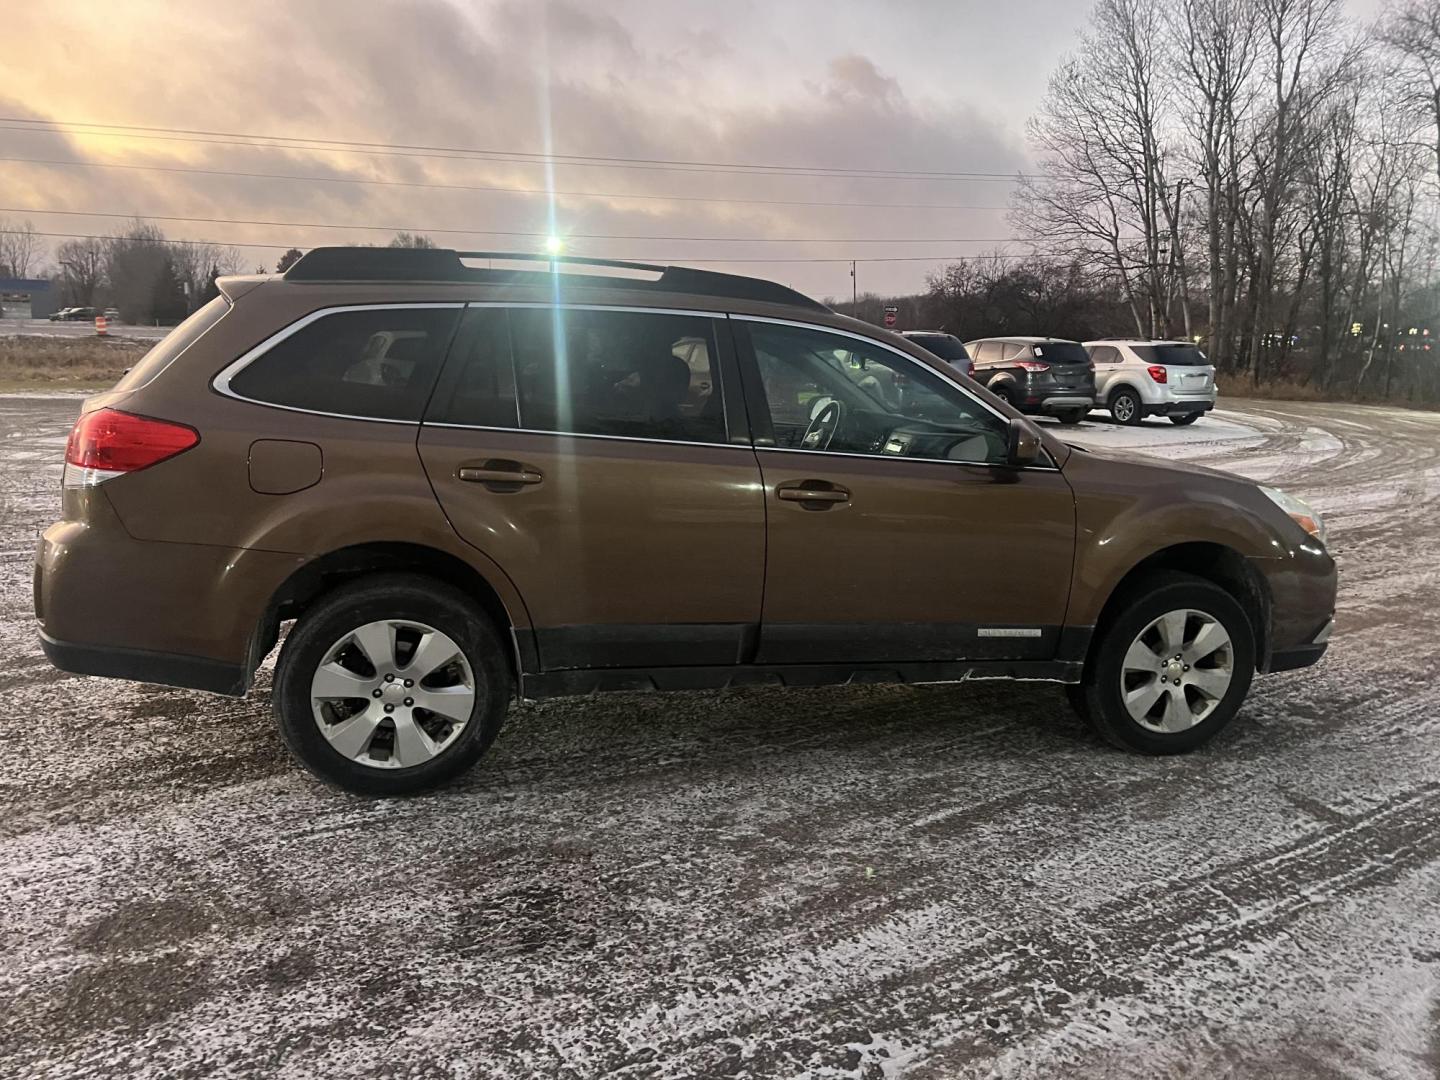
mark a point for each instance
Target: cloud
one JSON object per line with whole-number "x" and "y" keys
{"x": 505, "y": 76}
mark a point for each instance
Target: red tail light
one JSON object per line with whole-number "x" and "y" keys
{"x": 1158, "y": 373}
{"x": 1032, "y": 365}
{"x": 112, "y": 441}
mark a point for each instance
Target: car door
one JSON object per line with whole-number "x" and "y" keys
{"x": 588, "y": 452}
{"x": 896, "y": 532}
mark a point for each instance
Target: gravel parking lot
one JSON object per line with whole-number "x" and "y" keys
{"x": 931, "y": 882}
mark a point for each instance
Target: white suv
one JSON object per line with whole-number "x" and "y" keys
{"x": 1136, "y": 378}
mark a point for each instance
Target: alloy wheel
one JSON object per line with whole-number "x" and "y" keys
{"x": 1177, "y": 671}
{"x": 392, "y": 694}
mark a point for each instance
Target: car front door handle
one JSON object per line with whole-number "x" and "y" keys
{"x": 815, "y": 492}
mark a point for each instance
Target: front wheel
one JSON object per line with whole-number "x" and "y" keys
{"x": 391, "y": 685}
{"x": 1170, "y": 668}
{"x": 1184, "y": 419}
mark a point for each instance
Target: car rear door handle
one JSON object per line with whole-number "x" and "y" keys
{"x": 812, "y": 491}
{"x": 500, "y": 475}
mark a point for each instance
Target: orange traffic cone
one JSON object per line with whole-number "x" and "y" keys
{"x": 100, "y": 327}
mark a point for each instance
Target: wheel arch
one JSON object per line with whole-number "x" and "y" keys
{"x": 1214, "y": 562}
{"x": 1120, "y": 384}
{"x": 320, "y": 575}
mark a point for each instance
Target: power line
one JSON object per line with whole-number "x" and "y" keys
{"x": 492, "y": 187}
{"x": 231, "y": 138}
{"x": 637, "y": 258}
{"x": 516, "y": 232}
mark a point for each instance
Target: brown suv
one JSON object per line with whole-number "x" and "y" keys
{"x": 467, "y": 485}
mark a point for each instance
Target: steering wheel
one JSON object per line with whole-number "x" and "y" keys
{"x": 824, "y": 423}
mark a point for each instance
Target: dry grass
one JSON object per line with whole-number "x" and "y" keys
{"x": 1295, "y": 390}
{"x": 40, "y": 363}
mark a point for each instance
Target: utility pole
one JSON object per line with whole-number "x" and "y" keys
{"x": 854, "y": 291}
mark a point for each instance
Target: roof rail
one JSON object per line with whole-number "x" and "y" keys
{"x": 444, "y": 264}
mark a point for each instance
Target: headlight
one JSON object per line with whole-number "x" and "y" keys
{"x": 1299, "y": 510}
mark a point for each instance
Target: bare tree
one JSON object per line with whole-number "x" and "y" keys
{"x": 82, "y": 270}
{"x": 1103, "y": 195}
{"x": 21, "y": 251}
{"x": 411, "y": 240}
{"x": 1411, "y": 33}
{"x": 1216, "y": 44}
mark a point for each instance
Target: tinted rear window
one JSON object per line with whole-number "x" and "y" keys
{"x": 173, "y": 344}
{"x": 378, "y": 363}
{"x": 619, "y": 373}
{"x": 945, "y": 346}
{"x": 1171, "y": 355}
{"x": 1062, "y": 352}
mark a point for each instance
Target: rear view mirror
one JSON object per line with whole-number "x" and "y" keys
{"x": 1022, "y": 444}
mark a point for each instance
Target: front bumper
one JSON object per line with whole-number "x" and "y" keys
{"x": 1302, "y": 590}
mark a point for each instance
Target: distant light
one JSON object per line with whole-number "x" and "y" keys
{"x": 554, "y": 245}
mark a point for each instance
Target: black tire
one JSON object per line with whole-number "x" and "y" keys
{"x": 1101, "y": 701}
{"x": 1004, "y": 393}
{"x": 1126, "y": 408}
{"x": 1071, "y": 416}
{"x": 403, "y": 597}
{"x": 1184, "y": 419}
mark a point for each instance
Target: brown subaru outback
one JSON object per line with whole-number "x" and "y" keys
{"x": 466, "y": 485}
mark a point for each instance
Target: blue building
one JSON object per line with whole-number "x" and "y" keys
{"x": 43, "y": 296}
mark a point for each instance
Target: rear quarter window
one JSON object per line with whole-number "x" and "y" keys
{"x": 375, "y": 363}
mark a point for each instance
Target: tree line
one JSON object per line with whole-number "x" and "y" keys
{"x": 1257, "y": 175}
{"x": 147, "y": 277}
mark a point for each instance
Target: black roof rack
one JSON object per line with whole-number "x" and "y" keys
{"x": 444, "y": 264}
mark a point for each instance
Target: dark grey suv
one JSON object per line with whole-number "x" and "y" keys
{"x": 1048, "y": 376}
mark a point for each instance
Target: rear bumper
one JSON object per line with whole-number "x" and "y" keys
{"x": 1059, "y": 403}
{"x": 176, "y": 614}
{"x": 1180, "y": 407}
{"x": 141, "y": 665}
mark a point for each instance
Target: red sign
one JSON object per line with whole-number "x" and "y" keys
{"x": 890, "y": 314}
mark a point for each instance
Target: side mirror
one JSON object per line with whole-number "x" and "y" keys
{"x": 1022, "y": 443}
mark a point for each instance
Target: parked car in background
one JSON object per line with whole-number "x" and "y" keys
{"x": 947, "y": 347}
{"x": 72, "y": 314}
{"x": 468, "y": 485}
{"x": 111, "y": 314}
{"x": 1048, "y": 376}
{"x": 1136, "y": 378}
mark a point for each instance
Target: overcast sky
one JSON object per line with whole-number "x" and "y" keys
{"x": 918, "y": 86}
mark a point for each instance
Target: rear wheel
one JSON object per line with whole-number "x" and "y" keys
{"x": 1170, "y": 668}
{"x": 1071, "y": 416}
{"x": 1004, "y": 393}
{"x": 391, "y": 685}
{"x": 1125, "y": 407}
{"x": 1184, "y": 418}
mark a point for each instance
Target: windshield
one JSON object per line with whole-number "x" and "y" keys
{"x": 945, "y": 346}
{"x": 1062, "y": 352}
{"x": 1171, "y": 355}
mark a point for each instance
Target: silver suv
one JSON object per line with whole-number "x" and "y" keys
{"x": 1135, "y": 378}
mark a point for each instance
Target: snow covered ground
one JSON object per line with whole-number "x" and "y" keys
{"x": 867, "y": 882}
